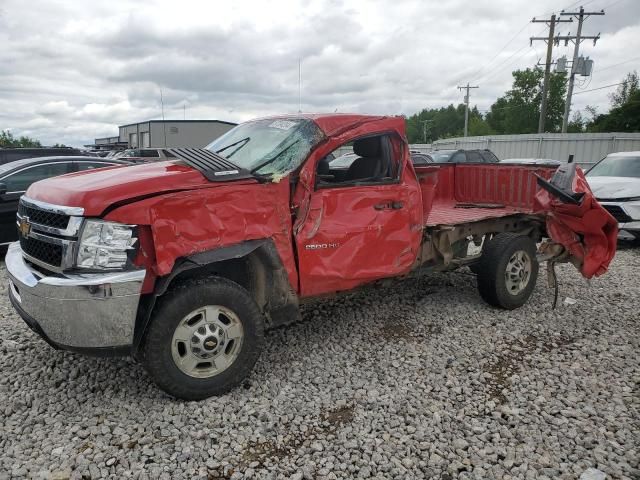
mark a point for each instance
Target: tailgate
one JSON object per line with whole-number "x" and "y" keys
{"x": 577, "y": 221}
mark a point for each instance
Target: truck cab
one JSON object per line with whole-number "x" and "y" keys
{"x": 184, "y": 264}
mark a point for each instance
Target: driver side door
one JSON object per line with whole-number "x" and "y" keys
{"x": 357, "y": 232}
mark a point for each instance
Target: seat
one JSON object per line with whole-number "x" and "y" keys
{"x": 323, "y": 166}
{"x": 370, "y": 164}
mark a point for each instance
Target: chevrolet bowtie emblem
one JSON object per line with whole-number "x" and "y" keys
{"x": 25, "y": 226}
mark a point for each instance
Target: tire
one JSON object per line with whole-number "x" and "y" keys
{"x": 204, "y": 338}
{"x": 493, "y": 285}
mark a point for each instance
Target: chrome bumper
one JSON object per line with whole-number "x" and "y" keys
{"x": 80, "y": 311}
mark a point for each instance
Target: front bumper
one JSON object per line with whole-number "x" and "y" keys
{"x": 626, "y": 213}
{"x": 85, "y": 312}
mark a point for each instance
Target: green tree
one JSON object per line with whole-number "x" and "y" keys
{"x": 518, "y": 110}
{"x": 625, "y": 91}
{"x": 624, "y": 115}
{"x": 7, "y": 140}
{"x": 577, "y": 123}
{"x": 444, "y": 122}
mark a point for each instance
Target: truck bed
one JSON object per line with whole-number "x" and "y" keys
{"x": 463, "y": 193}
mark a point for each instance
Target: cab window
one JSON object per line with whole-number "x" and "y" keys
{"x": 373, "y": 159}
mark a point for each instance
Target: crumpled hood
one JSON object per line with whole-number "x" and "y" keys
{"x": 96, "y": 190}
{"x": 609, "y": 188}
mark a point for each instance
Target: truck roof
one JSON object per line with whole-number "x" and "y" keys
{"x": 333, "y": 123}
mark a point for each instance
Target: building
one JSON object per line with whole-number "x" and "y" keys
{"x": 172, "y": 133}
{"x": 164, "y": 133}
{"x": 108, "y": 143}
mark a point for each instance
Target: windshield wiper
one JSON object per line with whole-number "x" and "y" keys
{"x": 274, "y": 158}
{"x": 243, "y": 141}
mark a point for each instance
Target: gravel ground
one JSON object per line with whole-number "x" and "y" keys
{"x": 417, "y": 379}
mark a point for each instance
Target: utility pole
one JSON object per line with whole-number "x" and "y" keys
{"x": 581, "y": 16}
{"x": 424, "y": 129}
{"x": 466, "y": 109}
{"x": 545, "y": 87}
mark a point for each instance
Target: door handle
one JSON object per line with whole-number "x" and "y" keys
{"x": 395, "y": 205}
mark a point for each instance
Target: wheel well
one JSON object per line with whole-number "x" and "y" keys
{"x": 246, "y": 271}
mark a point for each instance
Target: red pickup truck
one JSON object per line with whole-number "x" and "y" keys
{"x": 184, "y": 264}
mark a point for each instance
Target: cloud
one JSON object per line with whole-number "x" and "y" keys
{"x": 73, "y": 71}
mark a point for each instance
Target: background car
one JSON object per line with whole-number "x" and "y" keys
{"x": 140, "y": 155}
{"x": 535, "y": 161}
{"x": 419, "y": 158}
{"x": 615, "y": 181}
{"x": 15, "y": 178}
{"x": 12, "y": 154}
{"x": 463, "y": 156}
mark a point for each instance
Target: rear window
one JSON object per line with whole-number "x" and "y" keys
{"x": 488, "y": 156}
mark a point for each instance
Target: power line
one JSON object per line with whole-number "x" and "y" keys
{"x": 499, "y": 52}
{"x": 600, "y": 88}
{"x": 616, "y": 64}
{"x": 612, "y": 4}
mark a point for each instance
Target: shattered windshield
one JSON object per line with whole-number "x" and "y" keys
{"x": 268, "y": 146}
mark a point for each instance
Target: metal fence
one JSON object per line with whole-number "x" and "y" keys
{"x": 587, "y": 148}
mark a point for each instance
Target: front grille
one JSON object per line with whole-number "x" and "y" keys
{"x": 48, "y": 253}
{"x": 43, "y": 217}
{"x": 617, "y": 213}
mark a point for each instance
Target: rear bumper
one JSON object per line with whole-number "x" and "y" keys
{"x": 91, "y": 313}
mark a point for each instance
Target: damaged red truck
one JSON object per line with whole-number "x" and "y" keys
{"x": 184, "y": 264}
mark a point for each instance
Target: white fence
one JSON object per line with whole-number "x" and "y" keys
{"x": 587, "y": 148}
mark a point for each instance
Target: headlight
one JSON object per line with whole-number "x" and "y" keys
{"x": 104, "y": 245}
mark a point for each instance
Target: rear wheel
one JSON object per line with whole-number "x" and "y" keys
{"x": 508, "y": 270}
{"x": 204, "y": 338}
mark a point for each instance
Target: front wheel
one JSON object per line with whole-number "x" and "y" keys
{"x": 204, "y": 338}
{"x": 508, "y": 270}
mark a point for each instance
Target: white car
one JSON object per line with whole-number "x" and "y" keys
{"x": 615, "y": 181}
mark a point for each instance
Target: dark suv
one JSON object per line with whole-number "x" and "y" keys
{"x": 12, "y": 154}
{"x": 463, "y": 156}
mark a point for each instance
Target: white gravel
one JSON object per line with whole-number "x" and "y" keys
{"x": 418, "y": 379}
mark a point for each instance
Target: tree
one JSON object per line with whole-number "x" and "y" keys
{"x": 577, "y": 123}
{"x": 7, "y": 140}
{"x": 444, "y": 122}
{"x": 518, "y": 110}
{"x": 624, "y": 115}
{"x": 624, "y": 92}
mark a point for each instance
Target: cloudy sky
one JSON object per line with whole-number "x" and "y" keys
{"x": 71, "y": 71}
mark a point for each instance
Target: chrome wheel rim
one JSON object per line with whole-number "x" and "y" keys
{"x": 518, "y": 272}
{"x": 207, "y": 341}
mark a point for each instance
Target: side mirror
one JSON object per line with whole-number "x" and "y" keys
{"x": 3, "y": 188}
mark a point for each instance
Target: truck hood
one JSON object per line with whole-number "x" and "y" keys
{"x": 611, "y": 188}
{"x": 96, "y": 190}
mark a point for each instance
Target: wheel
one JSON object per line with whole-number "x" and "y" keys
{"x": 507, "y": 270}
{"x": 204, "y": 338}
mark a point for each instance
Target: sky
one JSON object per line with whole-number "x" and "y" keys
{"x": 72, "y": 71}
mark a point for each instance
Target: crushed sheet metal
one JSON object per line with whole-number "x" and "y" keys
{"x": 587, "y": 230}
{"x": 185, "y": 223}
